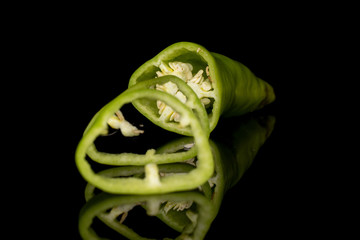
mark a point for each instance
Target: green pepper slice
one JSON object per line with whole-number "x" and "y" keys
{"x": 235, "y": 90}
{"x": 150, "y": 157}
{"x": 152, "y": 183}
{"x": 229, "y": 89}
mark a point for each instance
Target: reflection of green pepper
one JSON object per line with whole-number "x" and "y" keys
{"x": 152, "y": 183}
{"x": 194, "y": 224}
{"x": 228, "y": 88}
{"x": 237, "y": 149}
{"x": 177, "y": 210}
{"x": 231, "y": 158}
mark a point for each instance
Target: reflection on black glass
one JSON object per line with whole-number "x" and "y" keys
{"x": 182, "y": 215}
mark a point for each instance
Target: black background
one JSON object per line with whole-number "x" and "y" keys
{"x": 86, "y": 60}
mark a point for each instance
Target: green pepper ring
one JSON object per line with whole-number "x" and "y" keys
{"x": 141, "y": 159}
{"x": 195, "y": 178}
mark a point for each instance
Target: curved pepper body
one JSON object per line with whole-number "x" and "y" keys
{"x": 236, "y": 89}
{"x": 242, "y": 91}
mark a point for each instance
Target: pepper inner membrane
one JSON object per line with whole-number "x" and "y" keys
{"x": 198, "y": 78}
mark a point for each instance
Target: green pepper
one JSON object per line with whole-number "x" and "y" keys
{"x": 167, "y": 92}
{"x": 224, "y": 86}
{"x": 152, "y": 183}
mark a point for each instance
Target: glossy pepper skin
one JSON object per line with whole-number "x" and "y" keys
{"x": 237, "y": 90}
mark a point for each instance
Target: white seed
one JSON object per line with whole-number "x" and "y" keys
{"x": 205, "y": 101}
{"x": 177, "y": 117}
{"x": 206, "y": 85}
{"x": 198, "y": 78}
{"x": 181, "y": 96}
{"x": 207, "y": 71}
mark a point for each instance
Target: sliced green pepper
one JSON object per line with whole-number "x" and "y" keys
{"x": 226, "y": 87}
{"x": 167, "y": 92}
{"x": 152, "y": 183}
{"x": 150, "y": 157}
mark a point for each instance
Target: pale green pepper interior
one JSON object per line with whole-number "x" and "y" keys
{"x": 180, "y": 55}
{"x": 186, "y": 56}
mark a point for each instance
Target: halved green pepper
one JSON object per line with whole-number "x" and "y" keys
{"x": 227, "y": 87}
